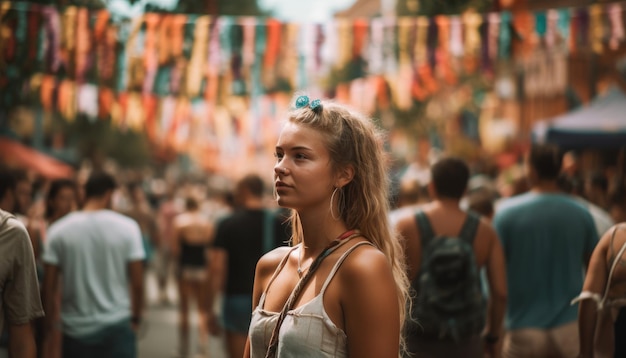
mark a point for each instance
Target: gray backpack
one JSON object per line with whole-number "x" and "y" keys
{"x": 450, "y": 303}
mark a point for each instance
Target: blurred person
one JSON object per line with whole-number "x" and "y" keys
{"x": 23, "y": 193}
{"x": 443, "y": 222}
{"x": 601, "y": 218}
{"x": 61, "y": 199}
{"x": 20, "y": 303}
{"x": 192, "y": 235}
{"x": 340, "y": 290}
{"x": 481, "y": 202}
{"x": 23, "y": 203}
{"x": 596, "y": 189}
{"x": 139, "y": 209}
{"x": 602, "y": 307}
{"x": 617, "y": 205}
{"x": 241, "y": 239}
{"x": 97, "y": 255}
{"x": 481, "y": 196}
{"x": 571, "y": 164}
{"x": 410, "y": 197}
{"x": 409, "y": 193}
{"x": 224, "y": 205}
{"x": 166, "y": 213}
{"x": 548, "y": 239}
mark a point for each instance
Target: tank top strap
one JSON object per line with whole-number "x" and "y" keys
{"x": 340, "y": 261}
{"x": 278, "y": 269}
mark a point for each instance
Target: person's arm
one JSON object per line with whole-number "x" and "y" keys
{"x": 264, "y": 270}
{"x": 369, "y": 300}
{"x": 50, "y": 292}
{"x": 409, "y": 233}
{"x": 218, "y": 259}
{"x": 175, "y": 239}
{"x": 22, "y": 341}
{"x": 153, "y": 230}
{"x": 135, "y": 272}
{"x": 595, "y": 282}
{"x": 21, "y": 296}
{"x": 496, "y": 274}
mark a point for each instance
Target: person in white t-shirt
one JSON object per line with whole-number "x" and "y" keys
{"x": 98, "y": 255}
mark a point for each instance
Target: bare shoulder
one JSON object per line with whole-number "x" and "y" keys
{"x": 364, "y": 264}
{"x": 405, "y": 219}
{"x": 485, "y": 230}
{"x": 406, "y": 227}
{"x": 619, "y": 230}
{"x": 267, "y": 263}
{"x": 16, "y": 230}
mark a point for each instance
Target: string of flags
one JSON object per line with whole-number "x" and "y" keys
{"x": 175, "y": 75}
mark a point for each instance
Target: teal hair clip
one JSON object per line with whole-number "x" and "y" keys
{"x": 315, "y": 104}
{"x": 303, "y": 101}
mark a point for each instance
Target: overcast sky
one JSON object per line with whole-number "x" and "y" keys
{"x": 304, "y": 10}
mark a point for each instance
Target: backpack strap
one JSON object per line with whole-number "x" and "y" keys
{"x": 424, "y": 228}
{"x": 468, "y": 231}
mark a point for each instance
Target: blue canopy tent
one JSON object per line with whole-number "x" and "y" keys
{"x": 601, "y": 125}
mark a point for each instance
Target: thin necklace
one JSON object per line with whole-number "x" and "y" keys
{"x": 300, "y": 269}
{"x": 341, "y": 237}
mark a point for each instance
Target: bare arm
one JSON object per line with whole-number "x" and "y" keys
{"x": 218, "y": 259}
{"x": 595, "y": 282}
{"x": 135, "y": 272}
{"x": 264, "y": 270}
{"x": 50, "y": 291}
{"x": 408, "y": 231}
{"x": 370, "y": 305}
{"x": 22, "y": 341}
{"x": 496, "y": 273}
{"x": 175, "y": 248}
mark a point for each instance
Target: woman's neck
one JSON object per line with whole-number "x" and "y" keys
{"x": 318, "y": 232}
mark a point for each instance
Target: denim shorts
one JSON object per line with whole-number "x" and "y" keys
{"x": 237, "y": 313}
{"x": 117, "y": 341}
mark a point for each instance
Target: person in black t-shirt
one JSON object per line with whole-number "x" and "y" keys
{"x": 241, "y": 239}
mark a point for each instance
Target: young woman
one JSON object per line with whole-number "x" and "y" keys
{"x": 193, "y": 234}
{"x": 341, "y": 287}
{"x": 602, "y": 308}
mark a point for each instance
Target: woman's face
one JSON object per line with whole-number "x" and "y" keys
{"x": 303, "y": 172}
{"x": 64, "y": 202}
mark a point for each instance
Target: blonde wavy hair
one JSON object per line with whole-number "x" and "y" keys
{"x": 353, "y": 139}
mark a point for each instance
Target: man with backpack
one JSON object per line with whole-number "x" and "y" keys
{"x": 445, "y": 248}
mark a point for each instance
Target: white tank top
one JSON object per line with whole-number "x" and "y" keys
{"x": 307, "y": 331}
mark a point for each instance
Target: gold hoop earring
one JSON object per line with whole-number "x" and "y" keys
{"x": 339, "y": 200}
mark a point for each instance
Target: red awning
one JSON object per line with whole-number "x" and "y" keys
{"x": 16, "y": 154}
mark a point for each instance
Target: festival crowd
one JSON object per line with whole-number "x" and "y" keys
{"x": 329, "y": 255}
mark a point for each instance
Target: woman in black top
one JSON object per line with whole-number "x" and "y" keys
{"x": 193, "y": 233}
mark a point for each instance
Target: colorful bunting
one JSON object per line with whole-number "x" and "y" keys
{"x": 181, "y": 77}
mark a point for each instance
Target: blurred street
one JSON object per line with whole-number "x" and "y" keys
{"x": 159, "y": 337}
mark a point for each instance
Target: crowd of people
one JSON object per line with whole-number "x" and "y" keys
{"x": 331, "y": 264}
